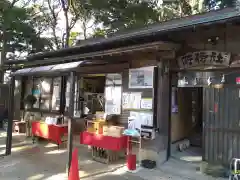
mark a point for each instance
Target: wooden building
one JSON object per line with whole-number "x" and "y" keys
{"x": 191, "y": 55}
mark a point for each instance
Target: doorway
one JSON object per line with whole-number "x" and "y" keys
{"x": 186, "y": 123}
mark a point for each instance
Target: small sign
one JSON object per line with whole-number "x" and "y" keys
{"x": 238, "y": 80}
{"x": 146, "y": 103}
{"x": 204, "y": 58}
{"x": 141, "y": 78}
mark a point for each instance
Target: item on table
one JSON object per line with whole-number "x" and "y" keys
{"x": 113, "y": 119}
{"x": 114, "y": 131}
{"x": 101, "y": 116}
{"x": 91, "y": 130}
{"x": 98, "y": 126}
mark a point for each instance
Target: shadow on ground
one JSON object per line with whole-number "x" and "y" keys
{"x": 44, "y": 161}
{"x": 114, "y": 177}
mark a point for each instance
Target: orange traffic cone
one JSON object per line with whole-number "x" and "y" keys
{"x": 73, "y": 173}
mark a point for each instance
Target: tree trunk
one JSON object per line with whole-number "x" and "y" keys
{"x": 65, "y": 8}
{"x": 3, "y": 55}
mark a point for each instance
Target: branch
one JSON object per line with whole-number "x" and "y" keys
{"x": 13, "y": 3}
{"x": 73, "y": 21}
{"x": 65, "y": 8}
{"x": 54, "y": 23}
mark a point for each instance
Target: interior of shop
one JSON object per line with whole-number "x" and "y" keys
{"x": 92, "y": 91}
{"x": 101, "y": 94}
{"x": 187, "y": 123}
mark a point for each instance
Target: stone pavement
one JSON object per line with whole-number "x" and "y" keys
{"x": 143, "y": 174}
{"x": 185, "y": 170}
{"x": 18, "y": 140}
{"x": 171, "y": 170}
{"x": 43, "y": 161}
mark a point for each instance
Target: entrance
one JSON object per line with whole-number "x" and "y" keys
{"x": 187, "y": 124}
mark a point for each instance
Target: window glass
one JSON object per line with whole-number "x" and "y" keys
{"x": 76, "y": 97}
{"x": 45, "y": 86}
{"x": 36, "y": 91}
{"x": 67, "y": 94}
{"x": 56, "y": 94}
{"x": 113, "y": 93}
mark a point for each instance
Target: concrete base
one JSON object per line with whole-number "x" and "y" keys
{"x": 138, "y": 168}
{"x": 159, "y": 157}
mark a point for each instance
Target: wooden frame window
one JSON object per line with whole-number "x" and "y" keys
{"x": 47, "y": 91}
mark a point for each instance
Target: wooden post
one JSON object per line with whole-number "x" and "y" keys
{"x": 164, "y": 105}
{"x": 63, "y": 95}
{"x": 70, "y": 121}
{"x": 10, "y": 116}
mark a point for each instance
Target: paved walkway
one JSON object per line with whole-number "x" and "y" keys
{"x": 44, "y": 161}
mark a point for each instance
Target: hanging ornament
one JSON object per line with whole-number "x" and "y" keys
{"x": 209, "y": 81}
{"x": 195, "y": 82}
{"x": 185, "y": 81}
{"x": 223, "y": 79}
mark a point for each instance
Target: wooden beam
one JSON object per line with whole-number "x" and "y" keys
{"x": 98, "y": 54}
{"x": 107, "y": 68}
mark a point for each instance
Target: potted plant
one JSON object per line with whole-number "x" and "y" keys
{"x": 30, "y": 100}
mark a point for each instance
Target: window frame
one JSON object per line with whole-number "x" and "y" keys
{"x": 38, "y": 108}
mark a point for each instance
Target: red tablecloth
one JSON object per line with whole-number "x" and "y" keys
{"x": 49, "y": 131}
{"x": 105, "y": 142}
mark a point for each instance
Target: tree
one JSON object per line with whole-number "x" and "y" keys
{"x": 118, "y": 15}
{"x": 219, "y": 4}
{"x": 17, "y": 34}
{"x": 179, "y": 8}
{"x": 17, "y": 30}
{"x": 84, "y": 10}
{"x": 61, "y": 17}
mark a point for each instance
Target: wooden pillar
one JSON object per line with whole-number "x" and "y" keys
{"x": 155, "y": 97}
{"x": 164, "y": 105}
{"x": 63, "y": 94}
{"x": 23, "y": 90}
{"x": 10, "y": 116}
{"x": 70, "y": 121}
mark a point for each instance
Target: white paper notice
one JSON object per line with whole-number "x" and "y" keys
{"x": 131, "y": 100}
{"x": 108, "y": 93}
{"x": 133, "y": 121}
{"x": 146, "y": 103}
{"x": 125, "y": 100}
{"x": 135, "y": 100}
{"x": 146, "y": 118}
{"x": 140, "y": 118}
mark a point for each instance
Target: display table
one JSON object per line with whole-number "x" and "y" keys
{"x": 51, "y": 132}
{"x": 105, "y": 142}
{"x": 105, "y": 149}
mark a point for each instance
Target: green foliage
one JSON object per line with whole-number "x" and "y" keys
{"x": 17, "y": 33}
{"x": 98, "y": 32}
{"x": 213, "y": 4}
{"x": 117, "y": 15}
{"x": 73, "y": 38}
